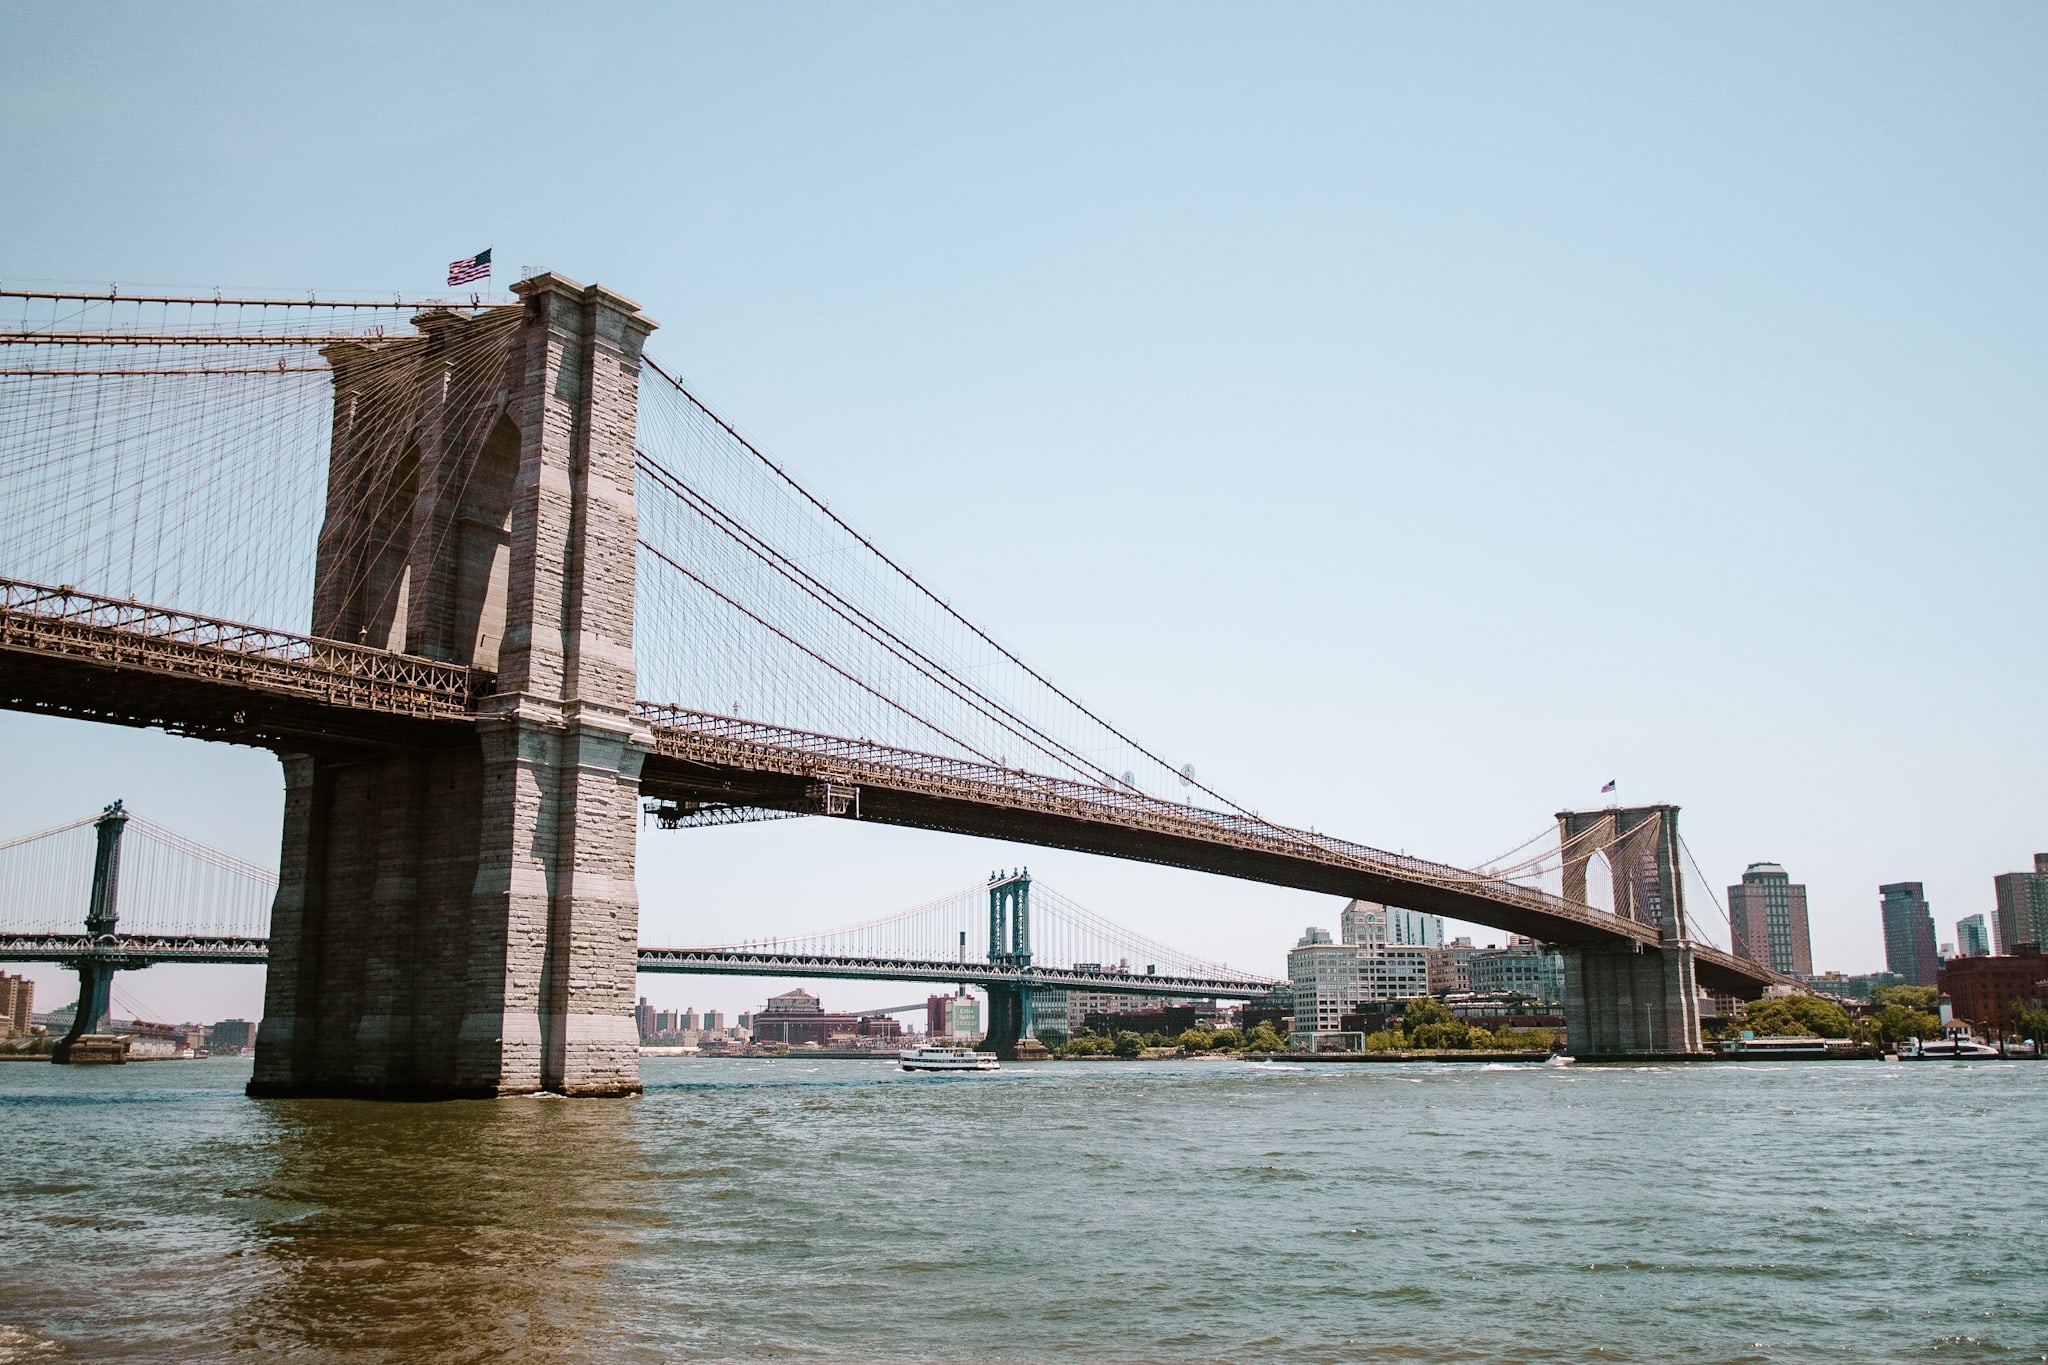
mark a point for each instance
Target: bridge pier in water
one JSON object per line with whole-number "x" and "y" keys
{"x": 1624, "y": 1001}
{"x": 1622, "y": 998}
{"x": 462, "y": 920}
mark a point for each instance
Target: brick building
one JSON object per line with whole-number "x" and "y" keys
{"x": 797, "y": 1017}
{"x": 17, "y": 1005}
{"x": 1982, "y": 990}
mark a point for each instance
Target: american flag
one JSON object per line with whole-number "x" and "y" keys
{"x": 477, "y": 267}
{"x": 1608, "y": 788}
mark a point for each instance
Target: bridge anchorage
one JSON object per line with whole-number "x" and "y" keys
{"x": 436, "y": 558}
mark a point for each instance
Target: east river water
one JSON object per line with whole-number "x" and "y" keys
{"x": 821, "y": 1211}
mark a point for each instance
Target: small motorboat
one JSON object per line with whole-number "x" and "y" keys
{"x": 947, "y": 1059}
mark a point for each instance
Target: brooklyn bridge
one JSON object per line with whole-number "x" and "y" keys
{"x": 487, "y": 578}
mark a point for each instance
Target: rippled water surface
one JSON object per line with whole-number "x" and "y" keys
{"x": 827, "y": 1211}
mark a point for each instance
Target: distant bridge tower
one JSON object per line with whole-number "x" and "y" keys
{"x": 102, "y": 916}
{"x": 1009, "y": 946}
{"x": 1628, "y": 999}
{"x": 461, "y": 919}
{"x": 1009, "y": 919}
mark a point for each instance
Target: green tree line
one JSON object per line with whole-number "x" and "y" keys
{"x": 1902, "y": 1012}
{"x": 1264, "y": 1038}
{"x": 1428, "y": 1025}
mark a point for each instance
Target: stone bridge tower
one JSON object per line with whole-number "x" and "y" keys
{"x": 1630, "y": 999}
{"x": 460, "y": 918}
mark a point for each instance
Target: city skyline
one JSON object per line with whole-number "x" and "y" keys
{"x": 216, "y": 988}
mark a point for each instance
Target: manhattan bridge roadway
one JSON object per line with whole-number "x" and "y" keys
{"x": 127, "y": 952}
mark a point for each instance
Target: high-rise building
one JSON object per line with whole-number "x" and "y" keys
{"x": 714, "y": 1021}
{"x": 1768, "y": 915}
{"x": 1413, "y": 929}
{"x": 643, "y": 1016}
{"x": 1367, "y": 922}
{"x": 17, "y": 1004}
{"x": 2022, "y": 914}
{"x": 1972, "y": 938}
{"x": 1908, "y": 933}
{"x": 1324, "y": 976}
{"x": 1331, "y": 980}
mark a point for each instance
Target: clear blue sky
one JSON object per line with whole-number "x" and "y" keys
{"x": 1417, "y": 415}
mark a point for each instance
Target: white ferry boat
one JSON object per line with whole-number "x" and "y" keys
{"x": 1774, "y": 1049}
{"x": 1958, "y": 1048}
{"x": 947, "y": 1059}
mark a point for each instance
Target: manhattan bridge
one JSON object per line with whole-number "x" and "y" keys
{"x": 488, "y": 579}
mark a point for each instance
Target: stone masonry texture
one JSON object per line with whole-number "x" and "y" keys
{"x": 463, "y": 921}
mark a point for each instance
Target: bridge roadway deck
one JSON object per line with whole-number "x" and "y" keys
{"x": 66, "y": 652}
{"x": 130, "y": 951}
{"x": 708, "y": 761}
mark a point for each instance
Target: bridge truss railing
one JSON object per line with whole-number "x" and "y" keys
{"x": 730, "y": 740}
{"x": 133, "y": 950}
{"x": 69, "y": 623}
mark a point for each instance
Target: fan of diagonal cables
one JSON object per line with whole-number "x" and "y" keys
{"x": 757, "y": 600}
{"x": 1538, "y": 862}
{"x": 174, "y": 449}
{"x": 165, "y": 883}
{"x": 955, "y": 928}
